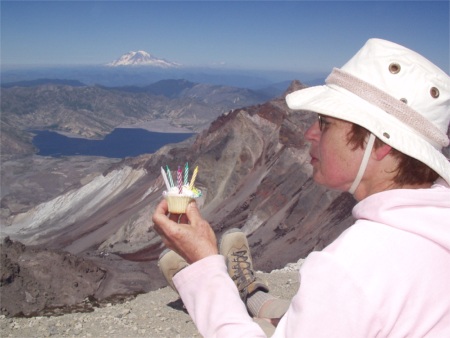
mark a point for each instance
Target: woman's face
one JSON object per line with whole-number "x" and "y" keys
{"x": 335, "y": 163}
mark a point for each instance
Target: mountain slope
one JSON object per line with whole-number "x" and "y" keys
{"x": 253, "y": 173}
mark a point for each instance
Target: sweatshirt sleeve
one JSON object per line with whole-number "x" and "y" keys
{"x": 213, "y": 301}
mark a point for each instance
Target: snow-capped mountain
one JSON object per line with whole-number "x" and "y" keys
{"x": 141, "y": 58}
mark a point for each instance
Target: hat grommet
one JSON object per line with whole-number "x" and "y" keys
{"x": 434, "y": 92}
{"x": 394, "y": 68}
{"x": 385, "y": 134}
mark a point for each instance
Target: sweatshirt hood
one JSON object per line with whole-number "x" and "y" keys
{"x": 424, "y": 212}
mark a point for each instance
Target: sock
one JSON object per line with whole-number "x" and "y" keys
{"x": 263, "y": 305}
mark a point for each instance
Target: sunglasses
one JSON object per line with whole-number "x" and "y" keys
{"x": 321, "y": 122}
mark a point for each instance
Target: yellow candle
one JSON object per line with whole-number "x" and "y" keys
{"x": 194, "y": 175}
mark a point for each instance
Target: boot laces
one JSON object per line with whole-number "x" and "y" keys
{"x": 243, "y": 273}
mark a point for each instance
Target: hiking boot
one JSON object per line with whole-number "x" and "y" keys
{"x": 235, "y": 248}
{"x": 170, "y": 263}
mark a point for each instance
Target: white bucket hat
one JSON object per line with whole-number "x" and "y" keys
{"x": 397, "y": 94}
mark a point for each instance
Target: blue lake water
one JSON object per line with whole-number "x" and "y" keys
{"x": 120, "y": 143}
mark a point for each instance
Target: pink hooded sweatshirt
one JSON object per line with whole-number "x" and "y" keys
{"x": 388, "y": 275}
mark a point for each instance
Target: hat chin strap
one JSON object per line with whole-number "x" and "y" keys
{"x": 363, "y": 166}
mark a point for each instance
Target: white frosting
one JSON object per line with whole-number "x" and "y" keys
{"x": 185, "y": 191}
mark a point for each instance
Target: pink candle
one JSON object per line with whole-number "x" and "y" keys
{"x": 179, "y": 180}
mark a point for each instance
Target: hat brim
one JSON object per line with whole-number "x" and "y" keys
{"x": 337, "y": 102}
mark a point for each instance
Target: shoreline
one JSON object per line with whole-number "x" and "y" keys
{"x": 154, "y": 126}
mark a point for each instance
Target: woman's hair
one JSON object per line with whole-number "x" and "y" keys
{"x": 409, "y": 170}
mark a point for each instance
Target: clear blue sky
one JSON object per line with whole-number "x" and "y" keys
{"x": 280, "y": 35}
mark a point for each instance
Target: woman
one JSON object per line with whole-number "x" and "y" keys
{"x": 382, "y": 124}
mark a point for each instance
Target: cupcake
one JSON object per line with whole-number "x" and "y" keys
{"x": 178, "y": 202}
{"x": 178, "y": 196}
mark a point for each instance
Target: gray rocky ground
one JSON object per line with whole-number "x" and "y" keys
{"x": 159, "y": 313}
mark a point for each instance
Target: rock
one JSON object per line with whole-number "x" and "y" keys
{"x": 37, "y": 281}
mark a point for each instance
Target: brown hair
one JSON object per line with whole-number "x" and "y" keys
{"x": 409, "y": 170}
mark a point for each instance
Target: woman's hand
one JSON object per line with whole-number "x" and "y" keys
{"x": 188, "y": 234}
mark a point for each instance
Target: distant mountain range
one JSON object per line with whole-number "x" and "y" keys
{"x": 128, "y": 71}
{"x": 94, "y": 111}
{"x": 38, "y": 82}
{"x": 141, "y": 58}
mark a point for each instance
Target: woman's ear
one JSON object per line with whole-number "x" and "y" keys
{"x": 382, "y": 151}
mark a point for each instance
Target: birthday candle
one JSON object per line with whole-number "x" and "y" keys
{"x": 194, "y": 175}
{"x": 179, "y": 179}
{"x": 186, "y": 173}
{"x": 170, "y": 176}
{"x": 163, "y": 173}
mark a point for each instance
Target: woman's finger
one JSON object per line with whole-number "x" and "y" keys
{"x": 192, "y": 213}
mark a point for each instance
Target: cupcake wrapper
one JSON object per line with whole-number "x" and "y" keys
{"x": 178, "y": 204}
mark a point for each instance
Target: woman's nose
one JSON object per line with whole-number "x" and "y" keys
{"x": 313, "y": 133}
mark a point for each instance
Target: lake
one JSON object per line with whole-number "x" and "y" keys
{"x": 120, "y": 143}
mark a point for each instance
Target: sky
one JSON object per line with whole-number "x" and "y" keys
{"x": 268, "y": 35}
